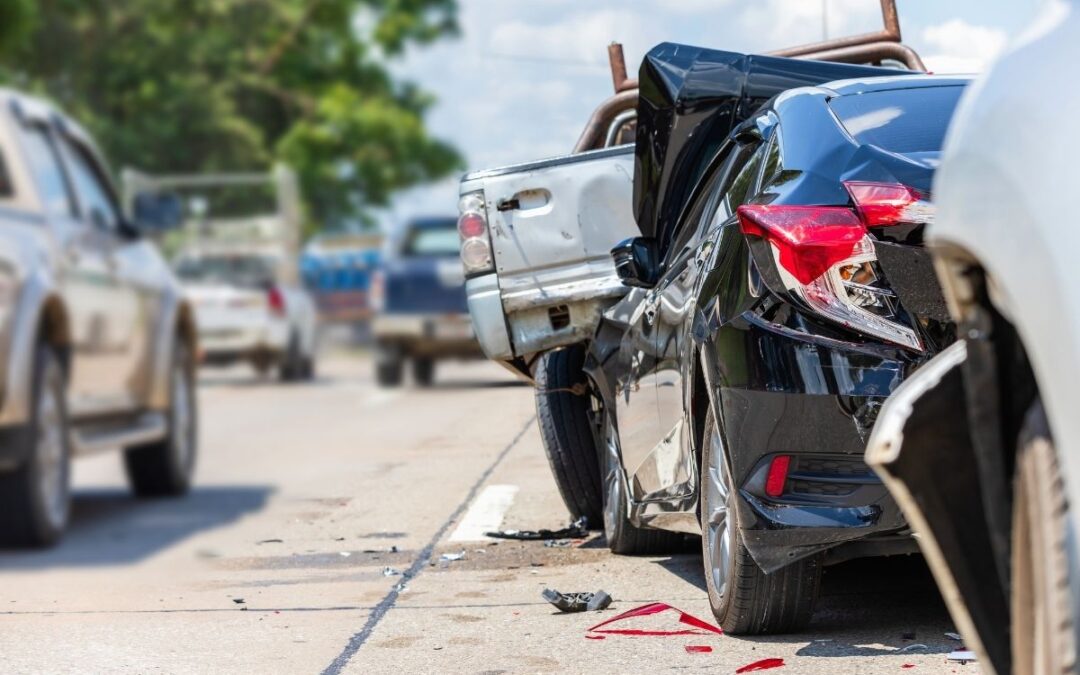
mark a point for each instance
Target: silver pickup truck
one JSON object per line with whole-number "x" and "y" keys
{"x": 97, "y": 345}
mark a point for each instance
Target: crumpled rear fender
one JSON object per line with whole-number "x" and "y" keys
{"x": 922, "y": 448}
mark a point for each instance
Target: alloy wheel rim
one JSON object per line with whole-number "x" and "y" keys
{"x": 612, "y": 480}
{"x": 717, "y": 530}
{"x": 181, "y": 417}
{"x": 51, "y": 449}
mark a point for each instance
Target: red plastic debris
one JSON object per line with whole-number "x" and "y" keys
{"x": 763, "y": 664}
{"x": 595, "y": 637}
{"x": 699, "y": 627}
{"x": 698, "y": 649}
{"x": 908, "y": 665}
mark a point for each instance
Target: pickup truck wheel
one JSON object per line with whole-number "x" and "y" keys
{"x": 389, "y": 365}
{"x": 423, "y": 370}
{"x": 1043, "y": 635}
{"x": 744, "y": 599}
{"x": 563, "y": 414}
{"x": 35, "y": 499}
{"x": 164, "y": 468}
{"x": 622, "y": 537}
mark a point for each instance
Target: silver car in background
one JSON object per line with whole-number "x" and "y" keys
{"x": 97, "y": 344}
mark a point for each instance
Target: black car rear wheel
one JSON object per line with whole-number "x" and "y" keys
{"x": 1043, "y": 636}
{"x": 622, "y": 536}
{"x": 744, "y": 599}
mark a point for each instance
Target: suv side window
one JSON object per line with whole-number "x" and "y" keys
{"x": 48, "y": 172}
{"x": 95, "y": 197}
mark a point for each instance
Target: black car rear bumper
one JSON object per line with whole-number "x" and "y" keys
{"x": 815, "y": 399}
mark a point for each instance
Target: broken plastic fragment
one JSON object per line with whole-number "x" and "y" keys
{"x": 595, "y": 637}
{"x": 698, "y": 649}
{"x": 954, "y": 636}
{"x": 390, "y": 572}
{"x": 763, "y": 664}
{"x": 452, "y": 557}
{"x": 577, "y": 602}
{"x": 908, "y": 665}
{"x": 576, "y": 530}
{"x": 699, "y": 627}
{"x": 961, "y": 655}
{"x": 917, "y": 647}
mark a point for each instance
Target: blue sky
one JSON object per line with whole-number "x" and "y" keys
{"x": 524, "y": 76}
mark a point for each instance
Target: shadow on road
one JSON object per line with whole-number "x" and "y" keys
{"x": 110, "y": 527}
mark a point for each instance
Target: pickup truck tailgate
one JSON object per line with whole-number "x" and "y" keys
{"x": 553, "y": 224}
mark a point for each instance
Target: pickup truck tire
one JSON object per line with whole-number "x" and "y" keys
{"x": 35, "y": 499}
{"x": 623, "y": 538}
{"x": 1043, "y": 637}
{"x": 563, "y": 414}
{"x": 423, "y": 369}
{"x": 164, "y": 468}
{"x": 745, "y": 600}
{"x": 389, "y": 365}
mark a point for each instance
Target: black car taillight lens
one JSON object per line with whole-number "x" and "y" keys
{"x": 825, "y": 256}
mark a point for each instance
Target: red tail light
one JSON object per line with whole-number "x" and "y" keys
{"x": 884, "y": 204}
{"x": 825, "y": 256}
{"x": 777, "y": 476}
{"x": 276, "y": 300}
{"x": 808, "y": 239}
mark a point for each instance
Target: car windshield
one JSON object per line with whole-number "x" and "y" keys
{"x": 899, "y": 120}
{"x": 235, "y": 270}
{"x": 433, "y": 241}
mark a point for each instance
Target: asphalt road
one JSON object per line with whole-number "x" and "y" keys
{"x": 306, "y": 494}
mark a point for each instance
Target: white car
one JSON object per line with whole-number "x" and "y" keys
{"x": 246, "y": 312}
{"x": 981, "y": 447}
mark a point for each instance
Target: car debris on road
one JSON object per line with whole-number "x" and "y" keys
{"x": 576, "y": 530}
{"x": 577, "y": 602}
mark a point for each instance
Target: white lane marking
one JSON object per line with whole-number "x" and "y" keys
{"x": 486, "y": 513}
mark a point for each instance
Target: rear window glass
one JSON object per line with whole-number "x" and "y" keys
{"x": 441, "y": 241}
{"x": 899, "y": 120}
{"x": 234, "y": 270}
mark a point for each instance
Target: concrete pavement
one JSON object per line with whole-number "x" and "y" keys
{"x": 308, "y": 493}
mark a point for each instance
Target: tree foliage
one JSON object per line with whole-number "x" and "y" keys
{"x": 221, "y": 85}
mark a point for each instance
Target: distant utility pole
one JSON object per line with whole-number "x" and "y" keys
{"x": 824, "y": 20}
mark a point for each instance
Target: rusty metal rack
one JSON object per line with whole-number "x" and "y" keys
{"x": 867, "y": 48}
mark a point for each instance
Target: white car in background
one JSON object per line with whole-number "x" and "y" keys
{"x": 981, "y": 447}
{"x": 246, "y": 311}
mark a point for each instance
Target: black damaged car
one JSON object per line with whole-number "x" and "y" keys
{"x": 780, "y": 292}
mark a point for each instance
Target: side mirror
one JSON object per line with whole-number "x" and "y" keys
{"x": 158, "y": 211}
{"x": 637, "y": 262}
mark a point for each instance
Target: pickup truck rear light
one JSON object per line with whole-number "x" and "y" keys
{"x": 476, "y": 254}
{"x": 825, "y": 257}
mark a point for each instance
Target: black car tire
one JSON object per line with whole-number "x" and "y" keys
{"x": 389, "y": 365}
{"x": 623, "y": 538}
{"x": 164, "y": 468}
{"x": 423, "y": 370}
{"x": 749, "y": 601}
{"x": 35, "y": 499}
{"x": 1043, "y": 636}
{"x": 562, "y": 412}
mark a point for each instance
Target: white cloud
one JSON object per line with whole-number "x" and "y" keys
{"x": 957, "y": 46}
{"x": 775, "y": 24}
{"x": 582, "y": 36}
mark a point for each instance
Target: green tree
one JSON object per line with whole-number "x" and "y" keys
{"x": 220, "y": 85}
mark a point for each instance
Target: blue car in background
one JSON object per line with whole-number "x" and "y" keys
{"x": 337, "y": 270}
{"x": 421, "y": 313}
